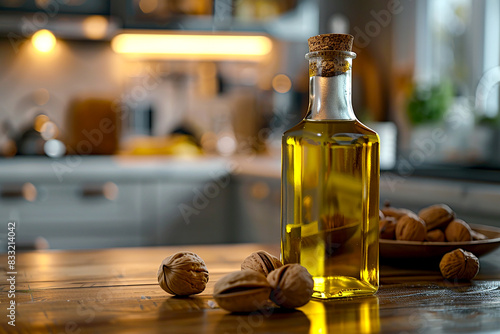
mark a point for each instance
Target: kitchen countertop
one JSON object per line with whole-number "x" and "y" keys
{"x": 253, "y": 164}
{"x": 116, "y": 290}
{"x": 77, "y": 168}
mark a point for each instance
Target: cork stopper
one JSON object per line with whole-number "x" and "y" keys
{"x": 329, "y": 65}
{"x": 331, "y": 42}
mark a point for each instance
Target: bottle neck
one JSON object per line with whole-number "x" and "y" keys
{"x": 330, "y": 89}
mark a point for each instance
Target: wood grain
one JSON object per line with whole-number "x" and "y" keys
{"x": 116, "y": 291}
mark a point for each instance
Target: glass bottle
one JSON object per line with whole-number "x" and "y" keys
{"x": 330, "y": 181}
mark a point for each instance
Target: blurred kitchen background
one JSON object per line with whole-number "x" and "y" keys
{"x": 158, "y": 122}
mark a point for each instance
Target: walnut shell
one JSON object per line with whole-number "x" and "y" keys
{"x": 183, "y": 274}
{"x": 435, "y": 236}
{"x": 292, "y": 285}
{"x": 459, "y": 264}
{"x": 387, "y": 228}
{"x": 242, "y": 291}
{"x": 397, "y": 213}
{"x": 411, "y": 228}
{"x": 261, "y": 261}
{"x": 458, "y": 230}
{"x": 437, "y": 216}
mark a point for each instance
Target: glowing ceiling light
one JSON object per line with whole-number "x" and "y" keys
{"x": 181, "y": 46}
{"x": 43, "y": 40}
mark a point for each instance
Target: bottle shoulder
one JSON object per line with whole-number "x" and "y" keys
{"x": 330, "y": 127}
{"x": 366, "y": 128}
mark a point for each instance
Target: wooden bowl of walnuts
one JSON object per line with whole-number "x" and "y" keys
{"x": 432, "y": 232}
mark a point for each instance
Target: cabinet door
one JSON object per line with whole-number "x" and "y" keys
{"x": 74, "y": 215}
{"x": 258, "y": 211}
{"x": 194, "y": 212}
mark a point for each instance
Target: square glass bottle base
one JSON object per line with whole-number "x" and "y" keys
{"x": 341, "y": 287}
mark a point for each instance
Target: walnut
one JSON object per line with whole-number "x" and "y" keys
{"x": 397, "y": 213}
{"x": 387, "y": 228}
{"x": 437, "y": 216}
{"x": 458, "y": 230}
{"x": 329, "y": 222}
{"x": 261, "y": 261}
{"x": 183, "y": 274}
{"x": 242, "y": 291}
{"x": 435, "y": 236}
{"x": 292, "y": 285}
{"x": 410, "y": 228}
{"x": 459, "y": 264}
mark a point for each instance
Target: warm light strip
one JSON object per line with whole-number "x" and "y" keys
{"x": 203, "y": 46}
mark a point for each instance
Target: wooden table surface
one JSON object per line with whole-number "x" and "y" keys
{"x": 116, "y": 290}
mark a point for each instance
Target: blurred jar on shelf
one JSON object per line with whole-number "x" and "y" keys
{"x": 92, "y": 126}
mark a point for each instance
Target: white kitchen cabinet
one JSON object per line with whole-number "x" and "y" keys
{"x": 193, "y": 212}
{"x": 105, "y": 202}
{"x": 74, "y": 214}
{"x": 258, "y": 208}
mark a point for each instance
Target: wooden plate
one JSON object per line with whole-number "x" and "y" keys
{"x": 394, "y": 249}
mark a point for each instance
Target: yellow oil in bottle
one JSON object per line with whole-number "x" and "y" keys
{"x": 330, "y": 205}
